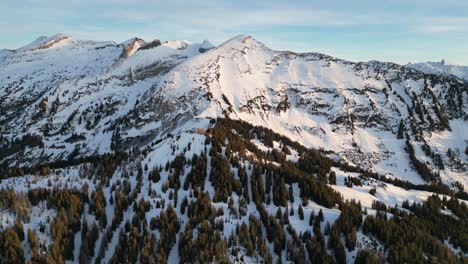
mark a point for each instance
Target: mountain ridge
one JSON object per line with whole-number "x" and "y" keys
{"x": 248, "y": 81}
{"x": 442, "y": 68}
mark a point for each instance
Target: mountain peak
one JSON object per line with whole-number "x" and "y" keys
{"x": 205, "y": 46}
{"x": 176, "y": 44}
{"x": 44, "y": 42}
{"x": 242, "y": 42}
{"x": 240, "y": 39}
{"x": 132, "y": 40}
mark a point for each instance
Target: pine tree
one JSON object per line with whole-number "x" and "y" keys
{"x": 300, "y": 211}
{"x": 351, "y": 238}
{"x": 291, "y": 194}
{"x": 332, "y": 178}
{"x": 320, "y": 216}
{"x": 327, "y": 229}
{"x": 11, "y": 250}
{"x": 366, "y": 257}
{"x": 311, "y": 218}
{"x": 401, "y": 128}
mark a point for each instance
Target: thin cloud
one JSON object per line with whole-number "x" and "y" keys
{"x": 364, "y": 27}
{"x": 443, "y": 24}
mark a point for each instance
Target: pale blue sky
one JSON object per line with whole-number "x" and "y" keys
{"x": 397, "y": 30}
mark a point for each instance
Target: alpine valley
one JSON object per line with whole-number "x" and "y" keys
{"x": 178, "y": 152}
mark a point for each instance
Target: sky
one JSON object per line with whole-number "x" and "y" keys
{"x": 399, "y": 31}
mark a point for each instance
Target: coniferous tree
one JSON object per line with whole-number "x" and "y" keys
{"x": 320, "y": 216}
{"x": 332, "y": 178}
{"x": 300, "y": 212}
{"x": 311, "y": 218}
{"x": 401, "y": 128}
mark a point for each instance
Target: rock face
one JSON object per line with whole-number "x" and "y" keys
{"x": 137, "y": 92}
{"x": 205, "y": 46}
{"x": 131, "y": 46}
{"x": 150, "y": 45}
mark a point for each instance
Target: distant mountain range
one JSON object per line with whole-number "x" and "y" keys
{"x": 442, "y": 68}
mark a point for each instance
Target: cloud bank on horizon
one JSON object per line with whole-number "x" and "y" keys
{"x": 398, "y": 31}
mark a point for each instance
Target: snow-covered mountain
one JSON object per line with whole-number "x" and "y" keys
{"x": 64, "y": 102}
{"x": 442, "y": 68}
{"x": 95, "y": 89}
